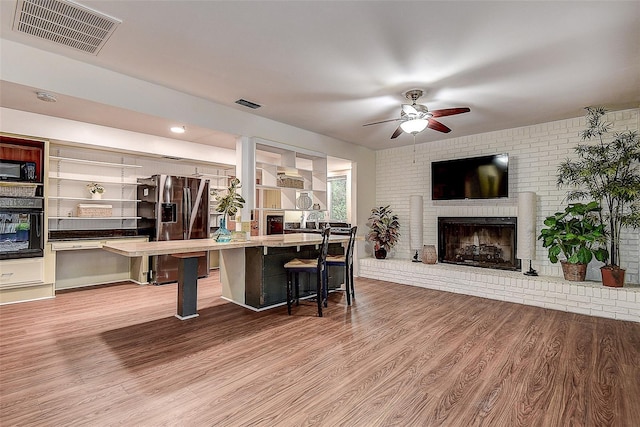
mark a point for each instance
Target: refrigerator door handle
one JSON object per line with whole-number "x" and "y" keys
{"x": 186, "y": 212}
{"x": 202, "y": 186}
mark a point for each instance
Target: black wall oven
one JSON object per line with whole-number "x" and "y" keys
{"x": 21, "y": 227}
{"x": 21, "y": 197}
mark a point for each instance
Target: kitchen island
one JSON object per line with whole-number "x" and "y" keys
{"x": 251, "y": 271}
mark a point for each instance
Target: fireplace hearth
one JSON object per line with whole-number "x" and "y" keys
{"x": 487, "y": 242}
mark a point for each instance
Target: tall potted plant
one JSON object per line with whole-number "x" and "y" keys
{"x": 384, "y": 230}
{"x": 228, "y": 205}
{"x": 607, "y": 170}
{"x": 578, "y": 235}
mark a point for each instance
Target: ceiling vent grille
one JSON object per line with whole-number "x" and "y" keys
{"x": 66, "y": 23}
{"x": 249, "y": 104}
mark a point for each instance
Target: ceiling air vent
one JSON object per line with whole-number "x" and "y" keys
{"x": 248, "y": 103}
{"x": 65, "y": 22}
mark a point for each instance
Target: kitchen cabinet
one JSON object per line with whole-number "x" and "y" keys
{"x": 266, "y": 278}
{"x": 24, "y": 276}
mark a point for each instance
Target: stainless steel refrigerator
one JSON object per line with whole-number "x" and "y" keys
{"x": 173, "y": 208}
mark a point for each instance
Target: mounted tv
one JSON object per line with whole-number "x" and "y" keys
{"x": 485, "y": 177}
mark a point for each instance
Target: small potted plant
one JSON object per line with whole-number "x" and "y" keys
{"x": 228, "y": 205}
{"x": 96, "y": 190}
{"x": 577, "y": 234}
{"x": 384, "y": 230}
{"x": 22, "y": 231}
{"x": 607, "y": 171}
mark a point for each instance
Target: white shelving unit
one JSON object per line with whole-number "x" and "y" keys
{"x": 302, "y": 173}
{"x": 68, "y": 179}
{"x": 285, "y": 175}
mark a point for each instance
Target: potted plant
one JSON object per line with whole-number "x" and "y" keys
{"x": 228, "y": 204}
{"x": 578, "y": 234}
{"x": 22, "y": 231}
{"x": 96, "y": 190}
{"x": 607, "y": 171}
{"x": 384, "y": 230}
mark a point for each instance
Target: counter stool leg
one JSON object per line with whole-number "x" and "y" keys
{"x": 350, "y": 276}
{"x": 319, "y": 292}
{"x": 347, "y": 284}
{"x": 289, "y": 296}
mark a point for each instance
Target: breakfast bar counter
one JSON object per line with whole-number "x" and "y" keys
{"x": 251, "y": 271}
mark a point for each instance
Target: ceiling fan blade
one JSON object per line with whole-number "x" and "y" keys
{"x": 436, "y": 125}
{"x": 409, "y": 109}
{"x": 397, "y": 133}
{"x": 383, "y": 121}
{"x": 449, "y": 111}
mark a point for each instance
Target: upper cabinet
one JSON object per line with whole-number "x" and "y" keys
{"x": 288, "y": 179}
{"x": 21, "y": 167}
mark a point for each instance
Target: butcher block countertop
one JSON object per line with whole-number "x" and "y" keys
{"x": 137, "y": 249}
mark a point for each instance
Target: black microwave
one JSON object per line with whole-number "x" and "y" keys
{"x": 17, "y": 171}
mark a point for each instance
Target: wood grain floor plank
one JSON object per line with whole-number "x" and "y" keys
{"x": 399, "y": 356}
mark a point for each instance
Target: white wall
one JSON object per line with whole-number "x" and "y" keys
{"x": 534, "y": 155}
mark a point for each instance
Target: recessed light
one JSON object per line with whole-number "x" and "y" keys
{"x": 46, "y": 97}
{"x": 178, "y": 129}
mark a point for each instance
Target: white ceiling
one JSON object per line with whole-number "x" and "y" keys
{"x": 332, "y": 66}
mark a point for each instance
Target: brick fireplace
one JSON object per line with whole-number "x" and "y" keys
{"x": 487, "y": 242}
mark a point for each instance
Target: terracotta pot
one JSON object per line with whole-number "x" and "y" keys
{"x": 380, "y": 253}
{"x": 612, "y": 276}
{"x": 574, "y": 272}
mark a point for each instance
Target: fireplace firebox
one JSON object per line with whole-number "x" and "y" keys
{"x": 488, "y": 242}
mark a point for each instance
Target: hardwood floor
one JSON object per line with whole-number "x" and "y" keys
{"x": 400, "y": 356}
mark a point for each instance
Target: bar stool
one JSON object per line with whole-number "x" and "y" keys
{"x": 346, "y": 261}
{"x": 316, "y": 265}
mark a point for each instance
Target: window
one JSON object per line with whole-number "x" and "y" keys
{"x": 337, "y": 198}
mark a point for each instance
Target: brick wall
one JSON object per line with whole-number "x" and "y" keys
{"x": 534, "y": 155}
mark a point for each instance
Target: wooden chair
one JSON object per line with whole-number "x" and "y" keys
{"x": 346, "y": 261}
{"x": 316, "y": 265}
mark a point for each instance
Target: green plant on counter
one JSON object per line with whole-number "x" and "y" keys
{"x": 230, "y": 202}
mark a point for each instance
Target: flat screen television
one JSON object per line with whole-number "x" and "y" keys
{"x": 485, "y": 177}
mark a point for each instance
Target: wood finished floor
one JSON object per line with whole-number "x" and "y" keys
{"x": 401, "y": 356}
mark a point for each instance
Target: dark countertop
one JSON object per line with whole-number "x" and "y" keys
{"x": 92, "y": 234}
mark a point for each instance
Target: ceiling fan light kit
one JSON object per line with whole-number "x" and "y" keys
{"x": 414, "y": 118}
{"x": 414, "y": 126}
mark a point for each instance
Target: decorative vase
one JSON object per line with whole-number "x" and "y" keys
{"x": 429, "y": 254}
{"x": 304, "y": 202}
{"x": 574, "y": 272}
{"x": 612, "y": 277}
{"x": 380, "y": 253}
{"x": 222, "y": 235}
{"x": 96, "y": 196}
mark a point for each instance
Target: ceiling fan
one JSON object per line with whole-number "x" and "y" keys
{"x": 414, "y": 118}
